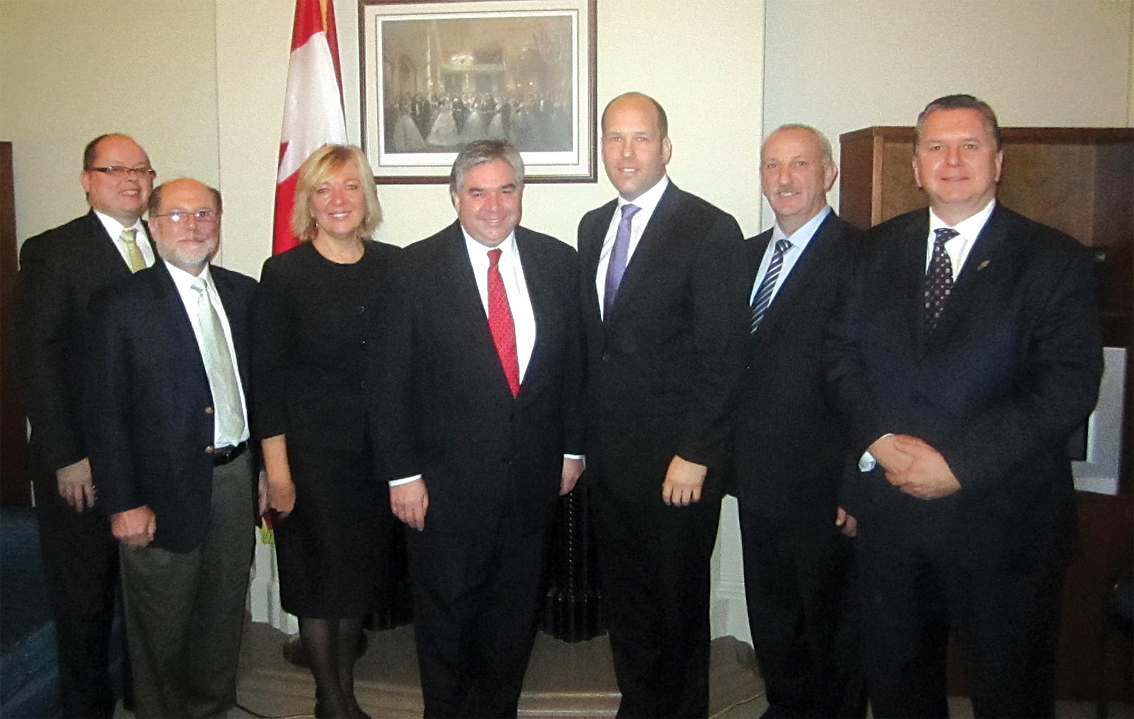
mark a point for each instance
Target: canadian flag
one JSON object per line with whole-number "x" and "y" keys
{"x": 313, "y": 106}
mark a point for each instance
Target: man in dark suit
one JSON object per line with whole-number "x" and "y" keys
{"x": 167, "y": 427}
{"x": 790, "y": 446}
{"x": 478, "y": 427}
{"x": 59, "y": 270}
{"x": 663, "y": 292}
{"x": 965, "y": 353}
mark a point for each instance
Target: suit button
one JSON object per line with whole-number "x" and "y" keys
{"x": 208, "y": 410}
{"x": 362, "y": 309}
{"x": 209, "y": 449}
{"x": 605, "y": 356}
{"x": 362, "y": 384}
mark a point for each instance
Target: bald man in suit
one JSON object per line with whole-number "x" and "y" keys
{"x": 59, "y": 271}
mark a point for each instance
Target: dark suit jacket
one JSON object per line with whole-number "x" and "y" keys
{"x": 1011, "y": 370}
{"x": 148, "y": 407}
{"x": 59, "y": 271}
{"x": 789, "y": 443}
{"x": 313, "y": 322}
{"x": 663, "y": 366}
{"x": 444, "y": 409}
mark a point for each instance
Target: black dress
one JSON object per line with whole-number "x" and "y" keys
{"x": 317, "y": 329}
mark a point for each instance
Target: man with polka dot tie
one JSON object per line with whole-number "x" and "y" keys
{"x": 965, "y": 352}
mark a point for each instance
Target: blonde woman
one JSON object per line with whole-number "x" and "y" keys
{"x": 319, "y": 316}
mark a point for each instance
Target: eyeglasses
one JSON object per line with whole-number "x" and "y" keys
{"x": 204, "y": 217}
{"x": 121, "y": 173}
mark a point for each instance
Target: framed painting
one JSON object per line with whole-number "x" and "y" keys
{"x": 436, "y": 75}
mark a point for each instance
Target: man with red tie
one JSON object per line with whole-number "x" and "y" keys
{"x": 476, "y": 428}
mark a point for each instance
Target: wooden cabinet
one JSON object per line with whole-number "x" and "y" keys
{"x": 1081, "y": 181}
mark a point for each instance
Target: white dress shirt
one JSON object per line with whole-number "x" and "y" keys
{"x": 184, "y": 283}
{"x": 799, "y": 240}
{"x": 647, "y": 202}
{"x": 958, "y": 249}
{"x": 114, "y": 229}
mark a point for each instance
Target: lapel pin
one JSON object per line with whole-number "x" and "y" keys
{"x": 982, "y": 265}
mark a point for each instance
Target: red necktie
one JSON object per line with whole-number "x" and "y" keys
{"x": 500, "y": 323}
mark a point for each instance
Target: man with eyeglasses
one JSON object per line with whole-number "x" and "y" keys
{"x": 59, "y": 271}
{"x": 166, "y": 417}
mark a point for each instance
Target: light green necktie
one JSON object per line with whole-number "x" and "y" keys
{"x": 218, "y": 366}
{"x": 133, "y": 254}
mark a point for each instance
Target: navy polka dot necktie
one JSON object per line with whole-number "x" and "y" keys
{"x": 939, "y": 278}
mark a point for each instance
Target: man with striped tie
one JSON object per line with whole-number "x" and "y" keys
{"x": 790, "y": 446}
{"x": 59, "y": 271}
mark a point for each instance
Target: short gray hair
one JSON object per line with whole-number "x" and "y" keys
{"x": 154, "y": 203}
{"x": 479, "y": 152}
{"x": 824, "y": 143}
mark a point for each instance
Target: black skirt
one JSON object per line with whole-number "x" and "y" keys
{"x": 333, "y": 550}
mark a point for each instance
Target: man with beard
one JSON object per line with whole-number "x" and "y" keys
{"x": 167, "y": 424}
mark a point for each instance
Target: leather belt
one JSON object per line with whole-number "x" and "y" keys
{"x": 224, "y": 455}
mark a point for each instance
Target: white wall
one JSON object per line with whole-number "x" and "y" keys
{"x": 841, "y": 66}
{"x": 74, "y": 69}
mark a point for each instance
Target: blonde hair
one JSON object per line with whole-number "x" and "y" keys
{"x": 319, "y": 168}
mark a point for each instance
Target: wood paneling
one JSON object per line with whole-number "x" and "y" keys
{"x": 14, "y": 487}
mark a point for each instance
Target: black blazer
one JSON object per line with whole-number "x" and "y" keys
{"x": 663, "y": 366}
{"x": 1011, "y": 370}
{"x": 148, "y": 407}
{"x": 316, "y": 323}
{"x": 789, "y": 442}
{"x": 59, "y": 271}
{"x": 444, "y": 409}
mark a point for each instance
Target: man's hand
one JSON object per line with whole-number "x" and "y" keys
{"x": 134, "y": 527}
{"x": 928, "y": 476}
{"x": 847, "y": 522}
{"x": 888, "y": 453}
{"x": 76, "y": 486}
{"x": 572, "y": 470}
{"x": 262, "y": 493}
{"x": 409, "y": 502}
{"x": 683, "y": 482}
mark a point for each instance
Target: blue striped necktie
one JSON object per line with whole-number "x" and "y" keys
{"x": 763, "y": 296}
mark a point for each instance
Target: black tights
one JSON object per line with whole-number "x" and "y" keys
{"x": 330, "y": 645}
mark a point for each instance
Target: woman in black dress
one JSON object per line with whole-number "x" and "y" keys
{"x": 318, "y": 319}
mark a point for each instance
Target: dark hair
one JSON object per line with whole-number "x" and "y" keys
{"x": 479, "y": 152}
{"x": 155, "y": 198}
{"x": 663, "y": 121}
{"x": 91, "y": 149}
{"x": 959, "y": 102}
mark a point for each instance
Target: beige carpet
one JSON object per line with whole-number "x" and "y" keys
{"x": 563, "y": 680}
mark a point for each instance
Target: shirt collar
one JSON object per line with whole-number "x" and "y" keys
{"x": 114, "y": 227}
{"x": 648, "y": 200}
{"x": 478, "y": 253}
{"x": 968, "y": 228}
{"x": 183, "y": 280}
{"x": 803, "y": 235}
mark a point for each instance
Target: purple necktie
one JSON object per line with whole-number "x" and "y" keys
{"x": 938, "y": 278}
{"x": 617, "y": 265}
